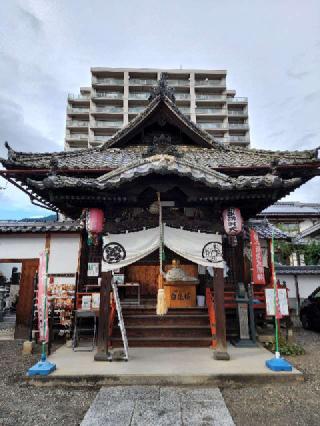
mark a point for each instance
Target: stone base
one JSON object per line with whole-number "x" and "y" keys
{"x": 221, "y": 356}
{"x": 27, "y": 348}
{"x": 245, "y": 343}
{"x": 102, "y": 356}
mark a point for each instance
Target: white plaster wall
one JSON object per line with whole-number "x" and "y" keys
{"x": 63, "y": 253}
{"x": 307, "y": 284}
{"x": 27, "y": 246}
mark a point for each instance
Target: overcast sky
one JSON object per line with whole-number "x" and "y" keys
{"x": 271, "y": 50}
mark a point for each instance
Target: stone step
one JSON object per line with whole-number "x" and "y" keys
{"x": 169, "y": 319}
{"x": 171, "y": 331}
{"x": 193, "y": 342}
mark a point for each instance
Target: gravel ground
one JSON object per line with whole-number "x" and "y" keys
{"x": 27, "y": 405}
{"x": 294, "y": 404}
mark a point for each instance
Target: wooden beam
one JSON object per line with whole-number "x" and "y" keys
{"x": 221, "y": 352}
{"x": 103, "y": 330}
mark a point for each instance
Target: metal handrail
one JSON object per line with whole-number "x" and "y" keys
{"x": 209, "y": 83}
{"x": 237, "y": 99}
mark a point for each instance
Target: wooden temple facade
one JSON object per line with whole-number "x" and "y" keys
{"x": 162, "y": 151}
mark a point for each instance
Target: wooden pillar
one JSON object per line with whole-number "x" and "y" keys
{"x": 296, "y": 282}
{"x": 221, "y": 352}
{"x": 104, "y": 311}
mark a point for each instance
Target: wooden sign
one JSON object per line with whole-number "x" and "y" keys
{"x": 232, "y": 221}
{"x": 257, "y": 259}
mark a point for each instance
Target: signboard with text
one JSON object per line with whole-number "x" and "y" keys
{"x": 257, "y": 259}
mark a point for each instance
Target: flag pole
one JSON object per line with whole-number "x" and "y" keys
{"x": 43, "y": 367}
{"x": 276, "y": 363}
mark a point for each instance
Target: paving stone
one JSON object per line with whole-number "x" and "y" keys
{"x": 109, "y": 413}
{"x": 205, "y": 413}
{"x": 147, "y": 413}
{"x": 129, "y": 393}
{"x": 151, "y": 405}
{"x": 191, "y": 394}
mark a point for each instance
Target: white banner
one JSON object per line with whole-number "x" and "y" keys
{"x": 120, "y": 250}
{"x": 201, "y": 248}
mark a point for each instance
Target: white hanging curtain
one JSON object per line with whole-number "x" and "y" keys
{"x": 120, "y": 250}
{"x": 201, "y": 248}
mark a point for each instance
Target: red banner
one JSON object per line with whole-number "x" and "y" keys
{"x": 257, "y": 259}
{"x": 232, "y": 221}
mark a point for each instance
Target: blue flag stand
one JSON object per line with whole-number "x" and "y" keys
{"x": 43, "y": 367}
{"x": 276, "y": 363}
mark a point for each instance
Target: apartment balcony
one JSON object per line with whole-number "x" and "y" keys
{"x": 180, "y": 83}
{"x": 77, "y": 137}
{"x": 211, "y": 98}
{"x": 239, "y": 126}
{"x": 212, "y": 126}
{"x": 77, "y": 124}
{"x": 72, "y": 110}
{"x": 210, "y": 83}
{"x": 136, "y": 110}
{"x": 142, "y": 82}
{"x": 108, "y": 124}
{"x": 237, "y": 113}
{"x": 211, "y": 111}
{"x": 108, "y": 81}
{"x": 75, "y": 145}
{"x": 185, "y": 110}
{"x": 105, "y": 111}
{"x": 237, "y": 100}
{"x": 108, "y": 95}
{"x": 101, "y": 139}
{"x": 139, "y": 96}
{"x": 81, "y": 97}
{"x": 182, "y": 96}
{"x": 239, "y": 139}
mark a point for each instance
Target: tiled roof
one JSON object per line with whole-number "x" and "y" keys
{"x": 94, "y": 158}
{"x": 298, "y": 270}
{"x": 206, "y": 152}
{"x": 292, "y": 208}
{"x": 15, "y": 226}
{"x": 265, "y": 230}
{"x": 307, "y": 235}
{"x": 165, "y": 164}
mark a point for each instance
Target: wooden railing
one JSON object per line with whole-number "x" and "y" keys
{"x": 212, "y": 317}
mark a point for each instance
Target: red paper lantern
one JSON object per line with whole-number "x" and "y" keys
{"x": 95, "y": 220}
{"x": 232, "y": 221}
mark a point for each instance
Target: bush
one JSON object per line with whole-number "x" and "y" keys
{"x": 286, "y": 348}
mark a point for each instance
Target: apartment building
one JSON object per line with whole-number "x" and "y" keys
{"x": 117, "y": 95}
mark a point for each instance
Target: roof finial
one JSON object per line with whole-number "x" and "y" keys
{"x": 11, "y": 152}
{"x": 162, "y": 89}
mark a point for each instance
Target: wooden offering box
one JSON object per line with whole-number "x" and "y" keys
{"x": 180, "y": 294}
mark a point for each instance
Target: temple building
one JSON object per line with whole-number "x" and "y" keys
{"x": 163, "y": 171}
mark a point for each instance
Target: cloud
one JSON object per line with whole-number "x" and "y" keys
{"x": 20, "y": 134}
{"x": 312, "y": 96}
{"x": 30, "y": 19}
{"x": 297, "y": 75}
